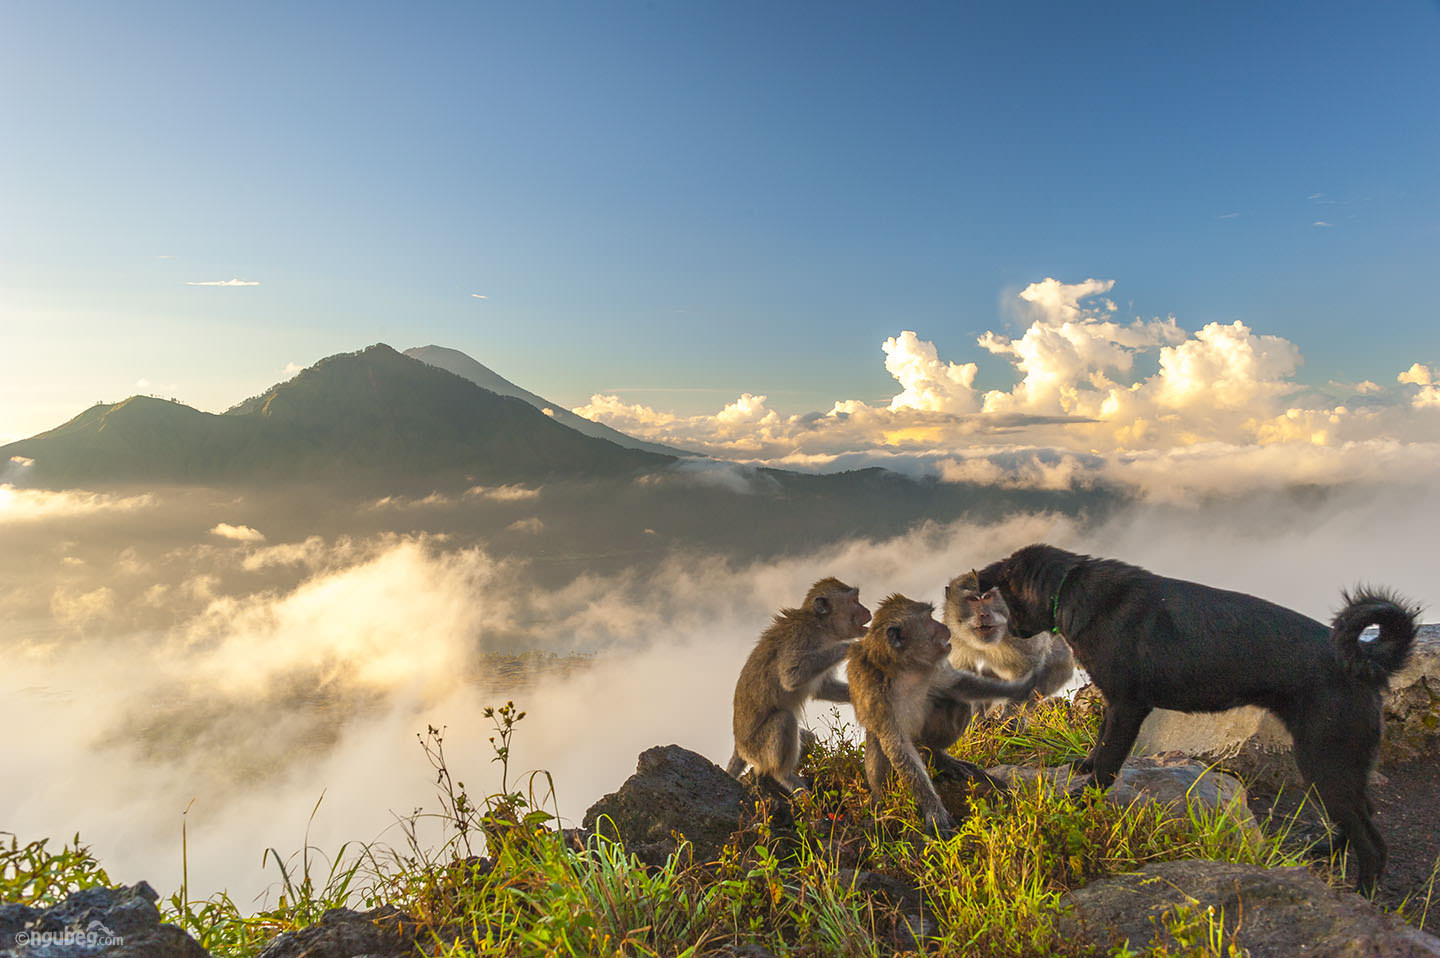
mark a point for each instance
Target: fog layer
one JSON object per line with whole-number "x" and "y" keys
{"x": 156, "y": 654}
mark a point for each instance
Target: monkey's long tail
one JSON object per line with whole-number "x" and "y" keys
{"x": 1376, "y": 660}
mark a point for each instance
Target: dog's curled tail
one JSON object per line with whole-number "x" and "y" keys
{"x": 1374, "y": 660}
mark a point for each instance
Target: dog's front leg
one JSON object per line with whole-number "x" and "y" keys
{"x": 1122, "y": 725}
{"x": 1087, "y": 764}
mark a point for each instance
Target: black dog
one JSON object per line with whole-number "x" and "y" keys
{"x": 1150, "y": 642}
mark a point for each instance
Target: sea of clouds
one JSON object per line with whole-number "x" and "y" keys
{"x": 257, "y": 699}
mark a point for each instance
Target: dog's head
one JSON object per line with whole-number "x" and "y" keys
{"x": 1028, "y": 580}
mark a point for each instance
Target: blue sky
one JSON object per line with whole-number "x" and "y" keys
{"x": 677, "y": 203}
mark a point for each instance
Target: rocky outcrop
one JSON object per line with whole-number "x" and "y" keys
{"x": 1276, "y": 912}
{"x": 1412, "y": 705}
{"x": 383, "y": 932}
{"x": 1171, "y": 778}
{"x": 674, "y": 791}
{"x": 1254, "y": 745}
{"x": 113, "y": 922}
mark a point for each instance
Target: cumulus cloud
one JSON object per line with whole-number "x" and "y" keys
{"x": 1428, "y": 395}
{"x": 1418, "y": 375}
{"x": 927, "y": 383}
{"x": 238, "y": 533}
{"x": 1086, "y": 381}
{"x": 234, "y": 281}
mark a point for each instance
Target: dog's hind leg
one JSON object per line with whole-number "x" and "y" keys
{"x": 1338, "y": 773}
{"x": 1122, "y": 725}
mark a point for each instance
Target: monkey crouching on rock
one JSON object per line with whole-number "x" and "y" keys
{"x": 794, "y": 661}
{"x": 898, "y": 679}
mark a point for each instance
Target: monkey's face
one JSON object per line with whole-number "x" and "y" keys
{"x": 985, "y": 614}
{"x": 841, "y": 612}
{"x": 919, "y": 641}
{"x": 851, "y": 617}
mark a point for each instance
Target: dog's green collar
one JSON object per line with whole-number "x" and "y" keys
{"x": 1055, "y": 603}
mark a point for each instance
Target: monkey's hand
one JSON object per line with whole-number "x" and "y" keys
{"x": 942, "y": 826}
{"x": 1086, "y": 765}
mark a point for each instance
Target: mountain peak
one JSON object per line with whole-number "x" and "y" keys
{"x": 462, "y": 365}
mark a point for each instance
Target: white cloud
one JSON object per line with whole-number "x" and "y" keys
{"x": 234, "y": 281}
{"x": 291, "y": 370}
{"x": 1086, "y": 382}
{"x": 238, "y": 533}
{"x": 405, "y": 502}
{"x": 1227, "y": 367}
{"x": 1322, "y": 223}
{"x": 479, "y": 296}
{"x": 1428, "y": 395}
{"x": 529, "y": 526}
{"x": 503, "y": 493}
{"x": 928, "y": 384}
{"x": 1418, "y": 375}
{"x": 25, "y": 505}
{"x": 1071, "y": 350}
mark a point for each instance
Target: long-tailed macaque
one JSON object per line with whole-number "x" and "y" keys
{"x": 794, "y": 661}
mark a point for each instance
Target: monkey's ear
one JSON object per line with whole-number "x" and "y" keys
{"x": 894, "y": 636}
{"x": 821, "y": 605}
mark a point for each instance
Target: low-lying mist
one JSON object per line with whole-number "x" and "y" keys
{"x": 162, "y": 650}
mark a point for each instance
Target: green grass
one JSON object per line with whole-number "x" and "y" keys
{"x": 994, "y": 888}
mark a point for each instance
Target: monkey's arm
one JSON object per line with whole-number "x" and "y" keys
{"x": 969, "y": 686}
{"x": 1059, "y": 665}
{"x": 833, "y": 690}
{"x": 908, "y": 764}
{"x": 799, "y": 667}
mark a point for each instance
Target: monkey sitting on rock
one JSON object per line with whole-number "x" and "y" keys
{"x": 898, "y": 676}
{"x": 794, "y": 661}
{"x": 979, "y": 622}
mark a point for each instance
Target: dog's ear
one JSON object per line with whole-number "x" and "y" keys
{"x": 895, "y": 637}
{"x": 989, "y": 577}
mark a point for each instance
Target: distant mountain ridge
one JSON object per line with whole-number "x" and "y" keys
{"x": 369, "y": 415}
{"x": 464, "y": 366}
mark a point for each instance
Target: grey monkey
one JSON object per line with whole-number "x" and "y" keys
{"x": 793, "y": 661}
{"x": 979, "y": 622}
